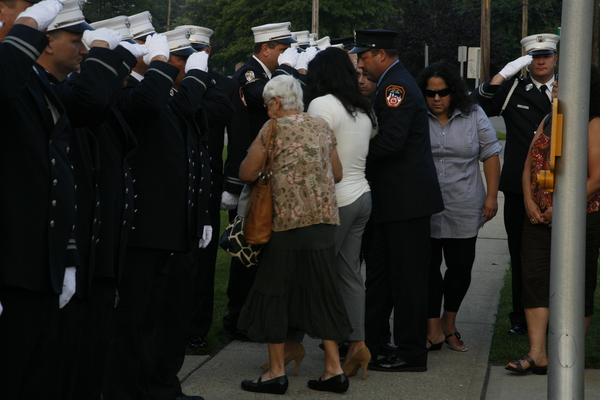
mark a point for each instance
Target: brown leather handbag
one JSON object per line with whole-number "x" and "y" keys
{"x": 258, "y": 222}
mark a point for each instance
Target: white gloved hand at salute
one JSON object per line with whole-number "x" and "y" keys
{"x": 197, "y": 61}
{"x": 158, "y": 45}
{"x": 138, "y": 50}
{"x": 289, "y": 56}
{"x": 513, "y": 67}
{"x": 43, "y": 13}
{"x": 110, "y": 36}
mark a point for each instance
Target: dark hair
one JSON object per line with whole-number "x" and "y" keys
{"x": 332, "y": 72}
{"x": 458, "y": 88}
{"x": 258, "y": 46}
{"x": 595, "y": 92}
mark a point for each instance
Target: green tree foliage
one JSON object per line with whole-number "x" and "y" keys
{"x": 232, "y": 21}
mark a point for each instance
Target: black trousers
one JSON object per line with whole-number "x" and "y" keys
{"x": 453, "y": 286}
{"x": 514, "y": 214}
{"x": 397, "y": 272}
{"x": 172, "y": 329}
{"x": 129, "y": 361}
{"x": 241, "y": 279}
{"x": 28, "y": 339}
{"x": 206, "y": 259}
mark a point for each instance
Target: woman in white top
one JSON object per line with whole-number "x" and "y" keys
{"x": 335, "y": 96}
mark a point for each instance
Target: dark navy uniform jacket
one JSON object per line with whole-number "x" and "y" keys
{"x": 37, "y": 197}
{"x": 525, "y": 110}
{"x": 400, "y": 166}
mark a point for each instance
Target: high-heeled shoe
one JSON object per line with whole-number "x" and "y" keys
{"x": 459, "y": 341}
{"x": 359, "y": 360}
{"x": 434, "y": 346}
{"x": 277, "y": 385}
{"x": 297, "y": 354}
{"x": 336, "y": 384}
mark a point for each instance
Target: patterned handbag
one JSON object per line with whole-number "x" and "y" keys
{"x": 233, "y": 242}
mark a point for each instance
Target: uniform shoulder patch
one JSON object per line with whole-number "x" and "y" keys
{"x": 243, "y": 98}
{"x": 250, "y": 77}
{"x": 394, "y": 95}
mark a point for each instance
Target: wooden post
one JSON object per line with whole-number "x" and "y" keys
{"x": 315, "y": 17}
{"x": 485, "y": 40}
{"x": 169, "y": 16}
{"x": 525, "y": 19}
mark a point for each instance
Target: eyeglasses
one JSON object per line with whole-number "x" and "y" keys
{"x": 266, "y": 103}
{"x": 431, "y": 93}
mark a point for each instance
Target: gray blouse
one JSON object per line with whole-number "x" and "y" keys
{"x": 457, "y": 149}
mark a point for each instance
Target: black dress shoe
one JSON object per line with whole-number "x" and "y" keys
{"x": 342, "y": 348}
{"x": 387, "y": 349}
{"x": 336, "y": 384}
{"x": 197, "y": 342}
{"x": 394, "y": 364}
{"x": 183, "y": 396}
{"x": 277, "y": 385}
{"x": 518, "y": 329}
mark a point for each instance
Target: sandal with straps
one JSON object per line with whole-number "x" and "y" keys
{"x": 460, "y": 341}
{"x": 532, "y": 367}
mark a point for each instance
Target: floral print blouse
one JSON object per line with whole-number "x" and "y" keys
{"x": 540, "y": 155}
{"x": 302, "y": 184}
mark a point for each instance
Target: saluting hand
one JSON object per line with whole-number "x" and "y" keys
{"x": 197, "y": 61}
{"x": 513, "y": 67}
{"x": 138, "y": 50}
{"x": 109, "y": 36}
{"x": 43, "y": 13}
{"x": 158, "y": 46}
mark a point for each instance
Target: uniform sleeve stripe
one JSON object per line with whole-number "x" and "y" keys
{"x": 162, "y": 73}
{"x": 193, "y": 77}
{"x": 22, "y": 45}
{"x": 485, "y": 94}
{"x": 283, "y": 70}
{"x": 105, "y": 65}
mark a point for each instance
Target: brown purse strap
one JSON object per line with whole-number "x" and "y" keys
{"x": 270, "y": 153}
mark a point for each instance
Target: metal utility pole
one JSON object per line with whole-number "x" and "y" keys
{"x": 169, "y": 16}
{"x": 485, "y": 40}
{"x": 567, "y": 276}
{"x": 595, "y": 33}
{"x": 315, "y": 17}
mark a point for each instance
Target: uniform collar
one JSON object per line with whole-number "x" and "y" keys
{"x": 267, "y": 71}
{"x": 385, "y": 72}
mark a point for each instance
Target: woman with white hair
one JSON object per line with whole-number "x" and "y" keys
{"x": 295, "y": 287}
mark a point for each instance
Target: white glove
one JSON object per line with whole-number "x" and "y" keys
{"x": 43, "y": 12}
{"x": 197, "y": 61}
{"x": 110, "y": 36}
{"x": 206, "y": 237}
{"x": 305, "y": 57}
{"x": 68, "y": 288}
{"x": 138, "y": 50}
{"x": 229, "y": 201}
{"x": 513, "y": 67}
{"x": 289, "y": 56}
{"x": 157, "y": 45}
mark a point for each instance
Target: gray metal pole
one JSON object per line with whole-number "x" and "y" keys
{"x": 567, "y": 280}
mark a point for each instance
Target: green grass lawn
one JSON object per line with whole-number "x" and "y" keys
{"x": 507, "y": 348}
{"x": 501, "y": 135}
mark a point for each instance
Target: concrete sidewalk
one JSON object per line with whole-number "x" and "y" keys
{"x": 451, "y": 375}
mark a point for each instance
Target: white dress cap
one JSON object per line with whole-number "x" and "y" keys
{"x": 179, "y": 42}
{"x": 70, "y": 18}
{"x": 543, "y": 43}
{"x": 120, "y": 24}
{"x": 324, "y": 43}
{"x": 141, "y": 25}
{"x": 199, "y": 36}
{"x": 302, "y": 38}
{"x": 279, "y": 32}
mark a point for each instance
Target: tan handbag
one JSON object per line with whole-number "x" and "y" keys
{"x": 258, "y": 222}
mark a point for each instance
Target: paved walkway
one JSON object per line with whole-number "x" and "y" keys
{"x": 451, "y": 375}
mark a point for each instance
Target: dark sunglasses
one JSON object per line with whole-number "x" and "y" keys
{"x": 431, "y": 93}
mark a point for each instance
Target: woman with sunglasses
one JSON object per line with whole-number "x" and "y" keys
{"x": 461, "y": 136}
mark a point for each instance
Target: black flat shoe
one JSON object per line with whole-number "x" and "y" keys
{"x": 336, "y": 384}
{"x": 277, "y": 385}
{"x": 517, "y": 329}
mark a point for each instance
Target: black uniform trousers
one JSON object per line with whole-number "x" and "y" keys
{"x": 397, "y": 272}
{"x": 129, "y": 360}
{"x": 28, "y": 362}
{"x": 514, "y": 214}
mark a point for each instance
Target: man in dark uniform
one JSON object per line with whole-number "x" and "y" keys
{"x": 271, "y": 42}
{"x": 37, "y": 206}
{"x": 225, "y": 185}
{"x": 167, "y": 202}
{"x": 523, "y": 103}
{"x": 405, "y": 194}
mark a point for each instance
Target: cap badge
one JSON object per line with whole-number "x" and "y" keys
{"x": 394, "y": 95}
{"x": 540, "y": 39}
